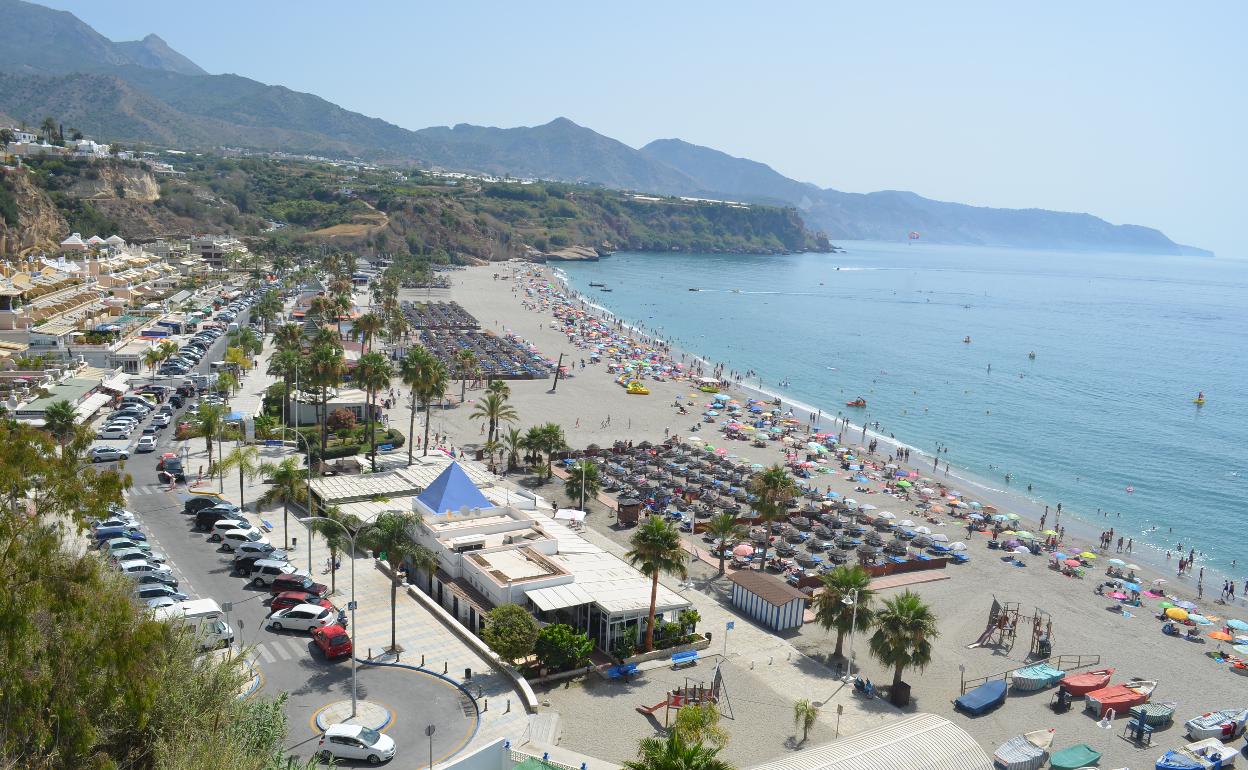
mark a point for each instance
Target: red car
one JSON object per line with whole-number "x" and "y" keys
{"x": 283, "y": 583}
{"x": 289, "y": 599}
{"x": 333, "y": 641}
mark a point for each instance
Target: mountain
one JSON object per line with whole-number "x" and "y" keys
{"x": 144, "y": 91}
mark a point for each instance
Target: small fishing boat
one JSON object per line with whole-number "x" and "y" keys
{"x": 1082, "y": 684}
{"x": 596, "y": 283}
{"x": 857, "y": 403}
{"x": 604, "y": 288}
{"x": 1025, "y": 752}
{"x": 1154, "y": 714}
{"x": 1225, "y": 725}
{"x": 1210, "y": 753}
{"x": 1036, "y": 677}
{"x": 983, "y": 698}
{"x": 694, "y": 289}
{"x": 1119, "y": 697}
{"x": 1074, "y": 757}
{"x": 1178, "y": 759}
{"x": 967, "y": 339}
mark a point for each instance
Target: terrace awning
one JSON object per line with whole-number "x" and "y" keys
{"x": 559, "y": 597}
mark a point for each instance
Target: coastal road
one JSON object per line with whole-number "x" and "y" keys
{"x": 287, "y": 662}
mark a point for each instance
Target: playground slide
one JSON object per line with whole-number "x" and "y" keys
{"x": 651, "y": 709}
{"x": 984, "y": 637}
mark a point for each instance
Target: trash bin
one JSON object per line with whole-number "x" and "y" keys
{"x": 899, "y": 695}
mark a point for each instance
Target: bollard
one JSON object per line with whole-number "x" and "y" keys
{"x": 751, "y": 665}
{"x": 446, "y": 666}
{"x": 422, "y": 661}
{"x": 508, "y": 711}
{"x": 370, "y": 653}
{"x": 771, "y": 659}
{"x": 487, "y": 706}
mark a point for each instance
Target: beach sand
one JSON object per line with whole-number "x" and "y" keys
{"x": 1082, "y": 621}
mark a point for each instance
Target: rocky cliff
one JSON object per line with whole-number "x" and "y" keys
{"x": 39, "y": 224}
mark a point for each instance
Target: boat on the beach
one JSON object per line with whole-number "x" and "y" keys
{"x": 1036, "y": 677}
{"x": 1177, "y": 759}
{"x": 1119, "y": 697}
{"x": 1225, "y": 724}
{"x": 1025, "y": 752}
{"x": 1154, "y": 714}
{"x": 1074, "y": 757}
{"x": 1206, "y": 755}
{"x": 858, "y": 403}
{"x": 1082, "y": 684}
{"x": 983, "y": 698}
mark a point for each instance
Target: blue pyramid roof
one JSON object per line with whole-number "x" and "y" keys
{"x": 452, "y": 490}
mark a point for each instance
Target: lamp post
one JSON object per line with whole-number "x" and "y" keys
{"x": 308, "y": 479}
{"x": 351, "y": 603}
{"x": 851, "y": 600}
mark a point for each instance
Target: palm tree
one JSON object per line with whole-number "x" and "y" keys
{"x": 773, "y": 488}
{"x": 61, "y": 420}
{"x": 246, "y": 459}
{"x": 288, "y": 337}
{"x": 656, "y": 548}
{"x": 289, "y": 480}
{"x": 372, "y": 374}
{"x": 245, "y": 337}
{"x": 367, "y": 326}
{"x": 268, "y": 307}
{"x": 152, "y": 358}
{"x": 494, "y": 409}
{"x": 904, "y": 630}
{"x": 285, "y": 364}
{"x": 514, "y": 441}
{"x": 426, "y": 375}
{"x": 465, "y": 367}
{"x": 675, "y": 753}
{"x": 699, "y": 723}
{"x": 550, "y": 439}
{"x": 168, "y": 349}
{"x": 390, "y": 536}
{"x": 831, "y": 608}
{"x": 335, "y": 539}
{"x": 499, "y": 387}
{"x": 326, "y": 366}
{"x": 324, "y": 309}
{"x": 725, "y": 531}
{"x": 238, "y": 357}
{"x": 47, "y": 129}
{"x": 209, "y": 420}
{"x": 584, "y": 471}
{"x": 804, "y": 715}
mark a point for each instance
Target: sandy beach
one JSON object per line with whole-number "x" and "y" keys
{"x": 592, "y": 408}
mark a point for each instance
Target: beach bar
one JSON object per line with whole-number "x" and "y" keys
{"x": 768, "y": 599}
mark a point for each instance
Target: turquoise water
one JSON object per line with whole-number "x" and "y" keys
{"x": 1123, "y": 343}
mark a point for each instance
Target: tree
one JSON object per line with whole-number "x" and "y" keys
{"x": 511, "y": 632}
{"x": 699, "y": 723}
{"x": 493, "y": 408}
{"x": 426, "y": 376}
{"x": 675, "y": 753}
{"x": 390, "y": 536}
{"x": 246, "y": 460}
{"x": 904, "y": 630}
{"x": 561, "y": 647}
{"x": 267, "y": 308}
{"x": 804, "y": 715}
{"x": 773, "y": 488}
{"x": 368, "y": 326}
{"x": 513, "y": 440}
{"x": 152, "y": 359}
{"x": 246, "y": 339}
{"x": 831, "y": 610}
{"x": 47, "y": 129}
{"x": 61, "y": 420}
{"x": 656, "y": 549}
{"x": 342, "y": 420}
{"x": 336, "y": 539}
{"x": 209, "y": 420}
{"x": 289, "y": 484}
{"x": 289, "y": 337}
{"x": 326, "y": 366}
{"x": 582, "y": 482}
{"x": 725, "y": 531}
{"x": 238, "y": 358}
{"x": 547, "y": 439}
{"x": 465, "y": 367}
{"x": 285, "y": 364}
{"x": 372, "y": 374}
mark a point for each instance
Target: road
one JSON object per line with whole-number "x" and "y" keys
{"x": 287, "y": 661}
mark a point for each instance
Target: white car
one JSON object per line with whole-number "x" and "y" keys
{"x": 110, "y": 432}
{"x": 343, "y": 741}
{"x": 229, "y": 525}
{"x": 236, "y": 537}
{"x": 120, "y": 555}
{"x": 161, "y": 420}
{"x": 301, "y": 617}
{"x": 146, "y": 444}
{"x": 143, "y": 567}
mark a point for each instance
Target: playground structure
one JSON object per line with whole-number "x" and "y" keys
{"x": 692, "y": 694}
{"x": 1004, "y": 620}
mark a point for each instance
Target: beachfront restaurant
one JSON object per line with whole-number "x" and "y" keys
{"x": 768, "y": 600}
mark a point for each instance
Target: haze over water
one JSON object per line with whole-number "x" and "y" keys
{"x": 1123, "y": 344}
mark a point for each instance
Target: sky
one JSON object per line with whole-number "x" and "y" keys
{"x": 1132, "y": 110}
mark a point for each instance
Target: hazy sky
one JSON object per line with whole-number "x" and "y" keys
{"x": 1133, "y": 111}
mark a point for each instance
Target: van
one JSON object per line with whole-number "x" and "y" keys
{"x": 232, "y": 327}
{"x": 204, "y": 617}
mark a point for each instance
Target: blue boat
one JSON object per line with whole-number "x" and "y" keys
{"x": 983, "y": 698}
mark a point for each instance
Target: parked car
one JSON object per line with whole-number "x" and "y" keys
{"x": 108, "y": 533}
{"x": 124, "y": 544}
{"x": 197, "y": 503}
{"x": 156, "y": 579}
{"x": 333, "y": 641}
{"x": 113, "y": 520}
{"x": 157, "y": 591}
{"x": 263, "y": 549}
{"x": 297, "y": 581}
{"x": 288, "y": 599}
{"x": 234, "y": 538}
{"x": 229, "y": 525}
{"x": 267, "y": 571}
{"x": 119, "y": 555}
{"x": 245, "y": 564}
{"x": 116, "y": 513}
{"x": 112, "y": 432}
{"x": 141, "y": 567}
{"x": 146, "y": 444}
{"x": 301, "y": 617}
{"x": 205, "y": 518}
{"x": 343, "y": 741}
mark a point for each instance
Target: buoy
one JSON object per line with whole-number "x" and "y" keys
{"x": 1130, "y": 490}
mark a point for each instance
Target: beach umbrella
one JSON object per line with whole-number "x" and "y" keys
{"x": 940, "y": 538}
{"x": 1021, "y": 549}
{"x": 1072, "y": 562}
{"x": 1131, "y": 586}
{"x": 1010, "y": 516}
{"x": 923, "y": 530}
{"x": 1024, "y": 534}
{"x": 1185, "y": 605}
{"x": 1059, "y": 555}
{"x": 1117, "y": 562}
{"x": 1242, "y": 649}
{"x": 904, "y": 484}
{"x": 1118, "y": 595}
{"x": 743, "y": 550}
{"x": 695, "y": 440}
{"x": 1237, "y": 624}
{"x": 973, "y": 516}
{"x": 1087, "y": 555}
{"x": 1049, "y": 532}
{"x": 958, "y": 546}
{"x": 1221, "y": 636}
{"x": 1165, "y": 605}
{"x": 1176, "y": 613}
{"x": 884, "y": 514}
{"x": 1199, "y": 620}
{"x": 975, "y": 504}
{"x": 906, "y": 523}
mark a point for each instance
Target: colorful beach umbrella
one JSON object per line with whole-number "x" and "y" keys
{"x": 1165, "y": 605}
{"x": 1176, "y": 613}
{"x": 1117, "y": 562}
{"x": 1237, "y": 624}
{"x": 1221, "y": 636}
{"x": 1199, "y": 620}
{"x": 1185, "y": 605}
{"x": 1072, "y": 562}
{"x": 1242, "y": 649}
{"x": 1087, "y": 555}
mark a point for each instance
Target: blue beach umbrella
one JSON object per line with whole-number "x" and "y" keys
{"x": 1237, "y": 624}
{"x": 1131, "y": 586}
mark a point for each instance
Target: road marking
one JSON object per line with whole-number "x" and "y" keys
{"x": 280, "y": 651}
{"x": 300, "y": 648}
{"x": 263, "y": 651}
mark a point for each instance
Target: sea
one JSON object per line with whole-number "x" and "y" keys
{"x": 939, "y": 341}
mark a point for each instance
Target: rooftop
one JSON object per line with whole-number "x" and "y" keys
{"x": 515, "y": 565}
{"x": 769, "y": 588}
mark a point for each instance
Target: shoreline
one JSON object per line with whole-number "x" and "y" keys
{"x": 1078, "y": 526}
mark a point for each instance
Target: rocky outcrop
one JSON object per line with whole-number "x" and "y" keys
{"x": 108, "y": 181}
{"x": 573, "y": 254}
{"x": 39, "y": 225}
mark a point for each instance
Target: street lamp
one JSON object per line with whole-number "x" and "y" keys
{"x": 851, "y": 600}
{"x": 429, "y": 731}
{"x": 308, "y": 478}
{"x": 351, "y": 603}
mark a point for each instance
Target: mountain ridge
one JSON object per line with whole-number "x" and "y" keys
{"x": 144, "y": 91}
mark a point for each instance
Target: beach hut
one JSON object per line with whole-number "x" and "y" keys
{"x": 768, "y": 599}
{"x": 628, "y": 510}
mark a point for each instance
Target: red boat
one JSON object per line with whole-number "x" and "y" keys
{"x": 1082, "y": 684}
{"x": 859, "y": 402}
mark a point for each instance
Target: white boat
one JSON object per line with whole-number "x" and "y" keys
{"x": 1028, "y": 751}
{"x": 1225, "y": 725}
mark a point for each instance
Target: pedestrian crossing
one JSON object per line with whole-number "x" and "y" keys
{"x": 283, "y": 648}
{"x": 147, "y": 489}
